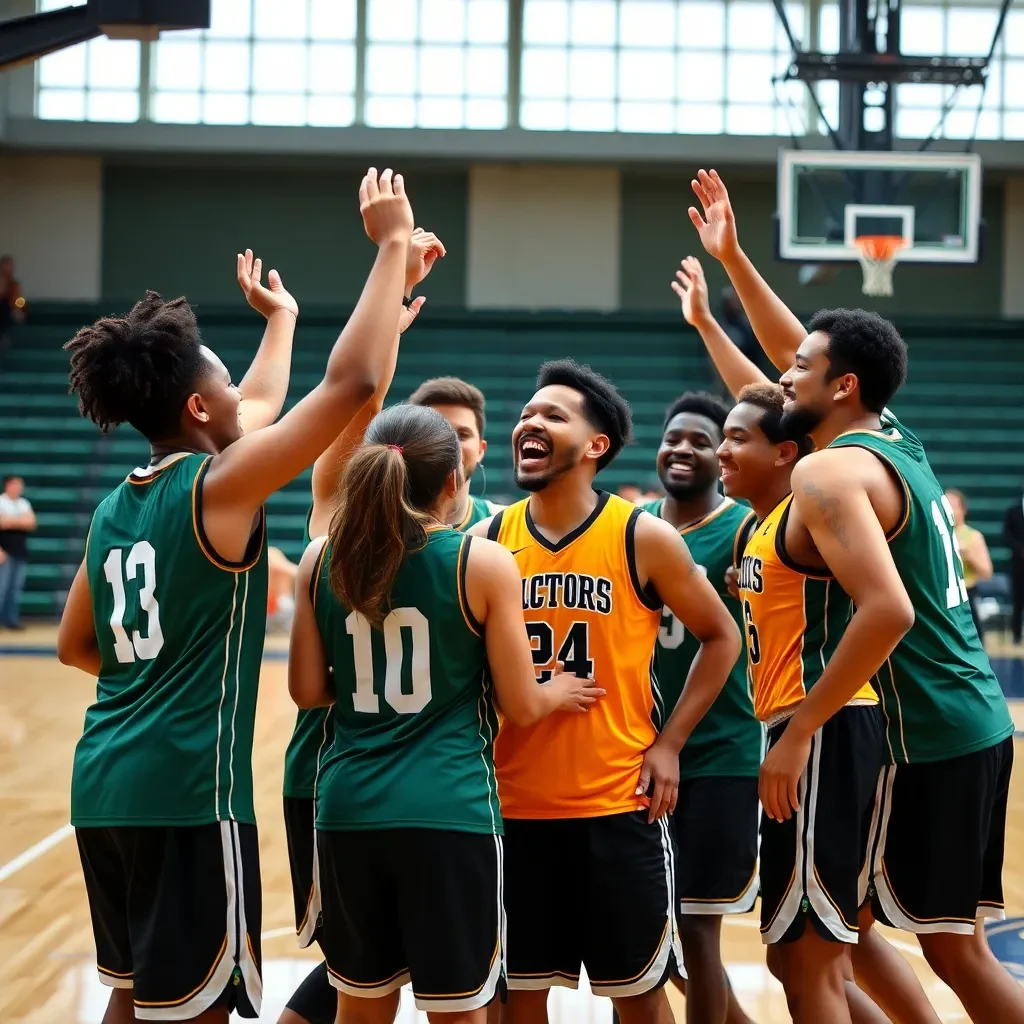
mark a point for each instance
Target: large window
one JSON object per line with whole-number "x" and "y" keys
{"x": 260, "y": 62}
{"x": 94, "y": 81}
{"x": 437, "y": 63}
{"x": 669, "y": 66}
{"x": 703, "y": 66}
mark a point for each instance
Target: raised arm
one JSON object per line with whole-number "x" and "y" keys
{"x": 776, "y": 327}
{"x": 248, "y": 471}
{"x": 308, "y": 681}
{"x": 732, "y": 365}
{"x": 664, "y": 561}
{"x": 493, "y": 591}
{"x": 424, "y": 250}
{"x": 831, "y": 499}
{"x": 76, "y": 638}
{"x": 265, "y": 385}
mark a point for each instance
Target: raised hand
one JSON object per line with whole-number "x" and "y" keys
{"x": 409, "y": 314}
{"x": 425, "y": 248}
{"x": 384, "y": 206}
{"x": 717, "y": 226}
{"x": 692, "y": 289}
{"x": 265, "y": 300}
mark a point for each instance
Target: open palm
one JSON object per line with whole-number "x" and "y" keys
{"x": 265, "y": 300}
{"x": 717, "y": 225}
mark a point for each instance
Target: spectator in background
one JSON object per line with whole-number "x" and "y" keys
{"x": 17, "y": 521}
{"x": 12, "y": 302}
{"x": 973, "y": 552}
{"x": 1013, "y": 530}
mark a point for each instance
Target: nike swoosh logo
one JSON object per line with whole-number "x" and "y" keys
{"x": 517, "y": 550}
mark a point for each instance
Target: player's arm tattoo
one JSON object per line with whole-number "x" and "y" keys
{"x": 828, "y": 507}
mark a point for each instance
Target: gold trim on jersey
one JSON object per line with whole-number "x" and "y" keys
{"x": 892, "y": 534}
{"x": 314, "y": 580}
{"x": 200, "y": 533}
{"x": 462, "y": 567}
{"x": 713, "y": 514}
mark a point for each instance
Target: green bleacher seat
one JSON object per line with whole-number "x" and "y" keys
{"x": 962, "y": 398}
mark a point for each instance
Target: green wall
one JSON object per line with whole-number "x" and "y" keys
{"x": 657, "y": 233}
{"x": 177, "y": 229}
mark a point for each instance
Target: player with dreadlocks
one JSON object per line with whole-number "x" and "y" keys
{"x": 168, "y": 611}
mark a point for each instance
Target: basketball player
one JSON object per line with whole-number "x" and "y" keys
{"x": 868, "y": 507}
{"x": 409, "y": 614}
{"x": 463, "y": 406}
{"x": 168, "y": 609}
{"x": 756, "y": 472}
{"x": 596, "y": 571}
{"x": 716, "y": 817}
{"x": 314, "y": 1001}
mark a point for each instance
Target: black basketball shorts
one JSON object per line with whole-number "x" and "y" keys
{"x": 936, "y": 842}
{"x": 176, "y": 915}
{"x": 716, "y": 823}
{"x": 302, "y": 860}
{"x": 811, "y": 863}
{"x": 414, "y": 905}
{"x": 598, "y": 892}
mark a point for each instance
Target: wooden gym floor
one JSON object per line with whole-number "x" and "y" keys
{"x": 47, "y": 970}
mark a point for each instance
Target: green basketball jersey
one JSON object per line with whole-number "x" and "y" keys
{"x": 939, "y": 693}
{"x": 311, "y": 735}
{"x": 727, "y": 740}
{"x": 414, "y": 723}
{"x": 477, "y": 510}
{"x": 180, "y": 632}
{"x": 312, "y": 730}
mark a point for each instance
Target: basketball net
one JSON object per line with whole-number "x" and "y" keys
{"x": 878, "y": 255}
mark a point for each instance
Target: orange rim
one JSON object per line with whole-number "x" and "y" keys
{"x": 880, "y": 247}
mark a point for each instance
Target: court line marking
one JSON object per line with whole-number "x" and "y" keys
{"x": 35, "y": 852}
{"x": 277, "y": 933}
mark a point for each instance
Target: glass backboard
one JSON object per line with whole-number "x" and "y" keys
{"x": 827, "y": 200}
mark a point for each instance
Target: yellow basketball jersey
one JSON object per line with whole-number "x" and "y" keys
{"x": 793, "y": 619}
{"x": 585, "y": 613}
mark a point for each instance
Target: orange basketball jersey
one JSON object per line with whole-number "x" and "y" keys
{"x": 793, "y": 620}
{"x": 585, "y": 613}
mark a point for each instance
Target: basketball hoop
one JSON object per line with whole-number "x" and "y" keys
{"x": 878, "y": 255}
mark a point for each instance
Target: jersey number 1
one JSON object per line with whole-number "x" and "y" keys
{"x": 138, "y": 646}
{"x": 956, "y": 588}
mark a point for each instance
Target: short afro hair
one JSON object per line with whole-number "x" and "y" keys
{"x": 867, "y": 345}
{"x": 702, "y": 403}
{"x": 769, "y": 398}
{"x": 603, "y": 406}
{"x": 138, "y": 368}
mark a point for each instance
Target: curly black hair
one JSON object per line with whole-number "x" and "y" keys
{"x": 603, "y": 406}
{"x": 867, "y": 345}
{"x": 703, "y": 403}
{"x": 138, "y": 368}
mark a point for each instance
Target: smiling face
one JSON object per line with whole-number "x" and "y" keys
{"x": 464, "y": 423}
{"x": 553, "y": 437}
{"x": 808, "y": 386}
{"x": 750, "y": 463}
{"x": 687, "y": 462}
